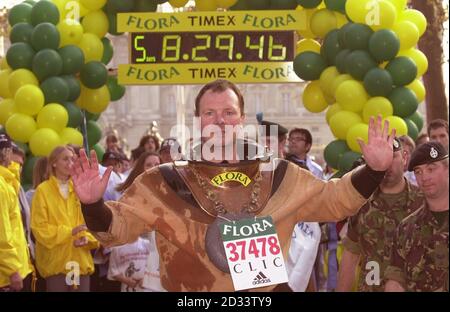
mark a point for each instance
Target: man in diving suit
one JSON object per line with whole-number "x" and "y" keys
{"x": 179, "y": 202}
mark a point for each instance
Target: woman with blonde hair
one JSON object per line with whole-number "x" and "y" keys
{"x": 63, "y": 243}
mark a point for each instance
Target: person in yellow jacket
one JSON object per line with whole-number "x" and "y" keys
{"x": 63, "y": 243}
{"x": 15, "y": 266}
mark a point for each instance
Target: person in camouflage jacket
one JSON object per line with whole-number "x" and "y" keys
{"x": 419, "y": 258}
{"x": 371, "y": 231}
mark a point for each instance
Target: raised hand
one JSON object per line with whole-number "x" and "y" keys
{"x": 88, "y": 184}
{"x": 378, "y": 152}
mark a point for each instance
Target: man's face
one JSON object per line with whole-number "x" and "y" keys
{"x": 5, "y": 156}
{"x": 297, "y": 144}
{"x": 432, "y": 179}
{"x": 439, "y": 135}
{"x": 220, "y": 111}
{"x": 394, "y": 174}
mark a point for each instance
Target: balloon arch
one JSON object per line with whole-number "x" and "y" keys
{"x": 359, "y": 56}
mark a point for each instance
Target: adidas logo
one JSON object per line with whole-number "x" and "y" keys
{"x": 260, "y": 279}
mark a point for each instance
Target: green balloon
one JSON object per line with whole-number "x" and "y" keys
{"x": 413, "y": 131}
{"x": 116, "y": 90}
{"x": 20, "y": 13}
{"x": 72, "y": 59}
{"x": 27, "y": 170}
{"x": 99, "y": 151}
{"x": 55, "y": 90}
{"x": 357, "y": 36}
{"x": 404, "y": 101}
{"x": 343, "y": 35}
{"x": 334, "y": 151}
{"x": 384, "y": 45}
{"x": 258, "y": 4}
{"x": 108, "y": 51}
{"x": 74, "y": 87}
{"x": 20, "y": 55}
{"x": 93, "y": 74}
{"x": 75, "y": 116}
{"x": 347, "y": 160}
{"x": 340, "y": 62}
{"x": 309, "y": 4}
{"x": 336, "y": 5}
{"x": 113, "y": 25}
{"x": 417, "y": 118}
{"x": 115, "y": 6}
{"x": 403, "y": 70}
{"x": 378, "y": 82}
{"x": 91, "y": 116}
{"x": 241, "y": 5}
{"x": 21, "y": 32}
{"x": 283, "y": 4}
{"x": 44, "y": 12}
{"x": 45, "y": 36}
{"x": 145, "y": 6}
{"x": 94, "y": 133}
{"x": 309, "y": 65}
{"x": 331, "y": 47}
{"x": 47, "y": 63}
{"x": 30, "y": 2}
{"x": 358, "y": 63}
{"x": 23, "y": 146}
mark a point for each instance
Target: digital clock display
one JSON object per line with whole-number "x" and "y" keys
{"x": 208, "y": 47}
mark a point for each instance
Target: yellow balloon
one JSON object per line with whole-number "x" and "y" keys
{"x": 419, "y": 58}
{"x": 20, "y": 127}
{"x": 71, "y": 136}
{"x": 417, "y": 18}
{"x": 398, "y": 124}
{"x": 205, "y": 5}
{"x": 323, "y": 21}
{"x": 94, "y": 100}
{"x": 313, "y": 98}
{"x": 29, "y": 99}
{"x": 358, "y": 131}
{"x": 4, "y": 86}
{"x": 383, "y": 16}
{"x": 400, "y": 5}
{"x": 305, "y": 30}
{"x": 70, "y": 32}
{"x": 53, "y": 116}
{"x": 342, "y": 121}
{"x": 341, "y": 19}
{"x": 307, "y": 45}
{"x": 19, "y": 78}
{"x": 332, "y": 110}
{"x": 337, "y": 81}
{"x": 377, "y": 106}
{"x": 93, "y": 5}
{"x": 419, "y": 89}
{"x": 7, "y": 109}
{"x": 326, "y": 79}
{"x": 4, "y": 63}
{"x": 407, "y": 33}
{"x": 83, "y": 10}
{"x": 358, "y": 10}
{"x": 178, "y": 3}
{"x": 96, "y": 22}
{"x": 225, "y": 4}
{"x": 92, "y": 47}
{"x": 351, "y": 95}
{"x": 44, "y": 141}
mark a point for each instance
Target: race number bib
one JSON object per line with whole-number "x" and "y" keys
{"x": 253, "y": 253}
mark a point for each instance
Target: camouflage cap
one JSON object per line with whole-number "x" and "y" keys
{"x": 427, "y": 153}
